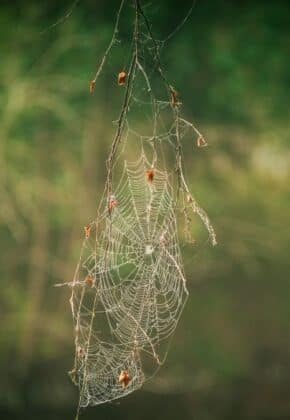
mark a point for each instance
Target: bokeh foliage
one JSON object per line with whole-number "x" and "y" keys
{"x": 230, "y": 64}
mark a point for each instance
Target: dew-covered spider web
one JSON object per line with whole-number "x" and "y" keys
{"x": 129, "y": 287}
{"x": 130, "y": 276}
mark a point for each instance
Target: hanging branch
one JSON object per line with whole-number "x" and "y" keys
{"x": 143, "y": 307}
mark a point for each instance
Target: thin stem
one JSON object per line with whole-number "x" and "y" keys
{"x": 125, "y": 106}
{"x": 155, "y": 44}
{"x": 116, "y": 29}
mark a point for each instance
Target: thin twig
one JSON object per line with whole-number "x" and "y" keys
{"x": 113, "y": 39}
{"x": 184, "y": 20}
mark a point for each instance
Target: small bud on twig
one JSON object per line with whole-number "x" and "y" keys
{"x": 90, "y": 281}
{"x": 122, "y": 78}
{"x": 124, "y": 378}
{"x": 92, "y": 85}
{"x": 150, "y": 175}
{"x": 201, "y": 142}
{"x": 87, "y": 230}
{"x": 112, "y": 203}
{"x": 174, "y": 98}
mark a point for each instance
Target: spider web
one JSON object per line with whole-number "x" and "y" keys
{"x": 129, "y": 287}
{"x": 136, "y": 280}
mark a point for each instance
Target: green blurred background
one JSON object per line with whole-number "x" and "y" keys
{"x": 230, "y": 355}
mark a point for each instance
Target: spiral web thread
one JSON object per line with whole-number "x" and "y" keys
{"x": 129, "y": 286}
